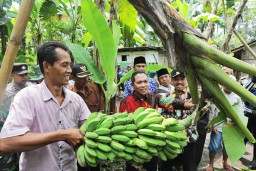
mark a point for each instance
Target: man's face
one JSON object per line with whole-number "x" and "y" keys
{"x": 20, "y": 79}
{"x": 141, "y": 84}
{"x": 60, "y": 71}
{"x": 81, "y": 82}
{"x": 179, "y": 82}
{"x": 164, "y": 80}
{"x": 140, "y": 67}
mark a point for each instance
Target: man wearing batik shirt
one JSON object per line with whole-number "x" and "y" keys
{"x": 181, "y": 92}
{"x": 141, "y": 97}
{"x": 139, "y": 64}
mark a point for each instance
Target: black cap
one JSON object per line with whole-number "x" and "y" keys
{"x": 139, "y": 60}
{"x": 20, "y": 68}
{"x": 176, "y": 73}
{"x": 80, "y": 71}
{"x": 161, "y": 72}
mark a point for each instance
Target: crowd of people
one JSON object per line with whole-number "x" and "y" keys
{"x": 40, "y": 118}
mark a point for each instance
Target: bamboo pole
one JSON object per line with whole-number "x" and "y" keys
{"x": 245, "y": 44}
{"x": 14, "y": 43}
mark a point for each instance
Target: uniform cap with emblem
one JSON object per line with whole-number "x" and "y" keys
{"x": 20, "y": 68}
{"x": 80, "y": 71}
{"x": 176, "y": 73}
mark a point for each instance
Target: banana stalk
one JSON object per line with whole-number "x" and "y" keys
{"x": 200, "y": 48}
{"x": 218, "y": 75}
{"x": 191, "y": 79}
{"x": 225, "y": 106}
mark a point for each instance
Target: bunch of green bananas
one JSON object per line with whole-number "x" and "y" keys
{"x": 134, "y": 137}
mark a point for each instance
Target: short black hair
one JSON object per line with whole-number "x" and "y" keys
{"x": 136, "y": 73}
{"x": 46, "y": 52}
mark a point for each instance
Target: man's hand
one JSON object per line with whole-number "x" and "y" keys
{"x": 188, "y": 104}
{"x": 73, "y": 137}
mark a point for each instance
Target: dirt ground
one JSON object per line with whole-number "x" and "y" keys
{"x": 239, "y": 165}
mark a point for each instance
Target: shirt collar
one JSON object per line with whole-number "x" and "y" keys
{"x": 47, "y": 95}
{"x": 136, "y": 97}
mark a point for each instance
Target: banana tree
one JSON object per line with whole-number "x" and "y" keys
{"x": 189, "y": 51}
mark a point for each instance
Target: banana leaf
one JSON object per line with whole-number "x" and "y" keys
{"x": 231, "y": 141}
{"x": 82, "y": 56}
{"x": 154, "y": 67}
{"x": 95, "y": 23}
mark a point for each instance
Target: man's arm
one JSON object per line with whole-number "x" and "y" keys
{"x": 31, "y": 141}
{"x": 169, "y": 103}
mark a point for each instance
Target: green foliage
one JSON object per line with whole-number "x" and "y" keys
{"x": 81, "y": 55}
{"x": 127, "y": 16}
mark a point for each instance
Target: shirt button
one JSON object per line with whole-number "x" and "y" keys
{"x": 61, "y": 158}
{"x": 59, "y": 121}
{"x": 60, "y": 146}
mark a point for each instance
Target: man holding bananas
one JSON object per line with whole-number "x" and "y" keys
{"x": 141, "y": 97}
{"x": 44, "y": 119}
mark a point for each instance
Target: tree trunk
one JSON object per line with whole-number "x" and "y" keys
{"x": 113, "y": 12}
{"x": 14, "y": 43}
{"x": 209, "y": 29}
{"x": 169, "y": 26}
{"x": 225, "y": 46}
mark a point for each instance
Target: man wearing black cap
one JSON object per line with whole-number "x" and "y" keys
{"x": 139, "y": 64}
{"x": 187, "y": 158}
{"x": 85, "y": 88}
{"x": 20, "y": 77}
{"x": 164, "y": 80}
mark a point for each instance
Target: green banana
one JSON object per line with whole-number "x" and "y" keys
{"x": 101, "y": 155}
{"x": 103, "y": 147}
{"x": 140, "y": 117}
{"x": 149, "y": 121}
{"x": 140, "y": 143}
{"x": 102, "y": 131}
{"x": 139, "y": 110}
{"x": 172, "y": 144}
{"x": 104, "y": 139}
{"x": 162, "y": 155}
{"x": 130, "y": 134}
{"x": 143, "y": 154}
{"x": 152, "y": 115}
{"x": 146, "y": 132}
{"x": 156, "y": 127}
{"x": 120, "y": 138}
{"x": 90, "y": 151}
{"x": 169, "y": 122}
{"x": 92, "y": 116}
{"x": 117, "y": 146}
{"x": 129, "y": 149}
{"x": 131, "y": 127}
{"x": 175, "y": 128}
{"x": 117, "y": 129}
{"x": 111, "y": 156}
{"x": 91, "y": 143}
{"x": 120, "y": 115}
{"x": 80, "y": 156}
{"x": 91, "y": 135}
